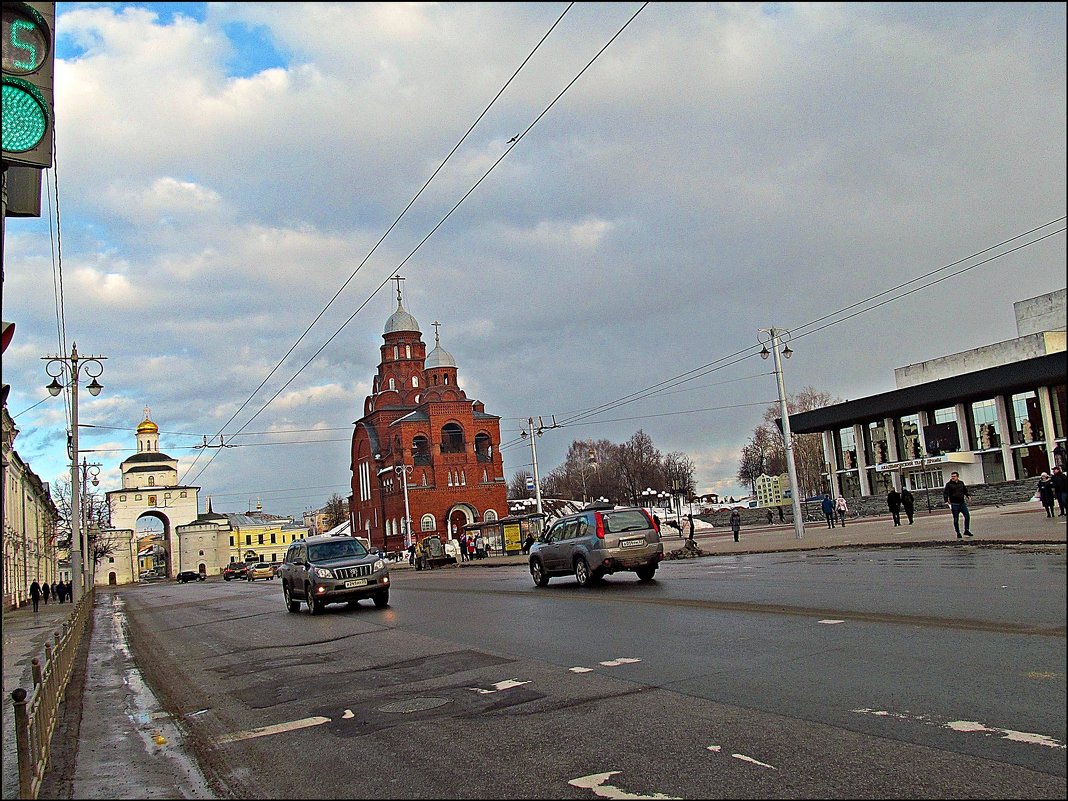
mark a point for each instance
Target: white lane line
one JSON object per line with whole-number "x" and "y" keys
{"x": 596, "y": 783}
{"x": 278, "y": 728}
{"x": 623, "y": 660}
{"x": 832, "y": 622}
{"x": 970, "y": 727}
{"x": 745, "y": 758}
{"x": 714, "y": 749}
{"x": 507, "y": 684}
{"x": 348, "y": 715}
{"x": 581, "y": 670}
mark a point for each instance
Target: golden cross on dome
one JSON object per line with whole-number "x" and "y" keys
{"x": 146, "y": 412}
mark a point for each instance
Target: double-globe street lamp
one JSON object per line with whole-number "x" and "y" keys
{"x": 70, "y": 369}
{"x": 774, "y": 336}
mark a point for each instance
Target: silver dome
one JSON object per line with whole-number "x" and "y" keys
{"x": 400, "y": 320}
{"x": 439, "y": 357}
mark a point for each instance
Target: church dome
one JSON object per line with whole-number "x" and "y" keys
{"x": 439, "y": 357}
{"x": 147, "y": 427}
{"x": 400, "y": 320}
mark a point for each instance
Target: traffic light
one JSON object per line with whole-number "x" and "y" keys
{"x": 28, "y": 64}
{"x": 8, "y": 332}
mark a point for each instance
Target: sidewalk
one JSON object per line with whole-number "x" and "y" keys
{"x": 121, "y": 724}
{"x": 24, "y": 636}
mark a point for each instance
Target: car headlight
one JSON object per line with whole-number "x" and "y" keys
{"x": 380, "y": 564}
{"x": 322, "y": 572}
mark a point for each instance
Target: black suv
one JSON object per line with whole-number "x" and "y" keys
{"x": 235, "y": 570}
{"x": 322, "y": 570}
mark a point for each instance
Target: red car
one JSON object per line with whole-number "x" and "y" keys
{"x": 235, "y": 570}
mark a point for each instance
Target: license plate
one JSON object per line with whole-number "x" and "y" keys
{"x": 632, "y": 543}
{"x": 356, "y": 583}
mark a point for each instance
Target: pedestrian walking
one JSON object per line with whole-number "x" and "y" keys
{"x": 528, "y": 542}
{"x": 893, "y": 502}
{"x": 411, "y": 553}
{"x": 46, "y": 591}
{"x": 1060, "y": 489}
{"x": 908, "y": 503}
{"x": 828, "y": 510}
{"x": 480, "y": 546}
{"x": 470, "y": 548}
{"x": 1046, "y": 494}
{"x": 736, "y": 524}
{"x": 842, "y": 509}
{"x": 463, "y": 547}
{"x": 956, "y": 495}
{"x": 689, "y": 517}
{"x": 55, "y": 592}
{"x": 771, "y": 517}
{"x": 61, "y": 591}
{"x": 782, "y": 517}
{"x": 35, "y": 594}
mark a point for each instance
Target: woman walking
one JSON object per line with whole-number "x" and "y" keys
{"x": 736, "y": 523}
{"x": 1045, "y": 494}
{"x": 842, "y": 509}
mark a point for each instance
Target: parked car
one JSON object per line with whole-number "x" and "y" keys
{"x": 260, "y": 570}
{"x": 235, "y": 570}
{"x": 596, "y": 542}
{"x": 323, "y": 569}
{"x": 190, "y": 575}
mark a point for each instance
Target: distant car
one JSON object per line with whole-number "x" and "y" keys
{"x": 235, "y": 570}
{"x": 596, "y": 542}
{"x": 323, "y": 569}
{"x": 260, "y": 570}
{"x": 190, "y": 575}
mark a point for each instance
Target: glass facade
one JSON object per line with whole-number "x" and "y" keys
{"x": 1025, "y": 419}
{"x": 847, "y": 448}
{"x": 875, "y": 447}
{"x": 908, "y": 437}
{"x": 947, "y": 415}
{"x": 1060, "y": 410}
{"x": 985, "y": 433}
{"x": 1030, "y": 461}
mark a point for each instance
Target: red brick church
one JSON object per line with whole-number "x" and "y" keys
{"x": 419, "y": 427}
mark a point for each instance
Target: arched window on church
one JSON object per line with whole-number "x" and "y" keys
{"x": 452, "y": 438}
{"x": 463, "y": 478}
{"x": 151, "y": 481}
{"x": 415, "y": 381}
{"x": 424, "y": 478}
{"x": 392, "y": 383}
{"x": 450, "y": 478}
{"x": 485, "y": 477}
{"x": 396, "y": 353}
{"x": 489, "y": 515}
{"x": 427, "y": 523}
{"x": 407, "y": 351}
{"x": 445, "y": 379}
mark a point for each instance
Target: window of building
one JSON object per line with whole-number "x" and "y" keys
{"x": 166, "y": 495}
{"x": 1058, "y": 397}
{"x": 878, "y": 452}
{"x": 407, "y": 351}
{"x": 396, "y": 353}
{"x": 151, "y": 481}
{"x": 415, "y": 381}
{"x": 231, "y": 542}
{"x": 182, "y": 494}
{"x": 846, "y": 443}
{"x": 248, "y": 539}
{"x": 490, "y": 515}
{"x": 1025, "y": 418}
{"x": 421, "y": 450}
{"x": 201, "y": 553}
{"x": 1030, "y": 461}
{"x": 274, "y": 539}
{"x": 259, "y": 539}
{"x": 111, "y": 560}
{"x": 122, "y": 498}
{"x": 483, "y": 447}
{"x": 137, "y": 497}
{"x": 908, "y": 437}
{"x": 392, "y": 383}
{"x": 985, "y": 431}
{"x": 452, "y": 438}
{"x": 463, "y": 478}
{"x": 946, "y": 415}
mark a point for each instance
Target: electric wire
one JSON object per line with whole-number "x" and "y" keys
{"x": 383, "y": 238}
{"x": 441, "y": 222}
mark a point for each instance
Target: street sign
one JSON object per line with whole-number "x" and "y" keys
{"x": 530, "y": 483}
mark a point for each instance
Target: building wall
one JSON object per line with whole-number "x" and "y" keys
{"x": 1014, "y": 350}
{"x": 120, "y": 567}
{"x": 1042, "y": 313}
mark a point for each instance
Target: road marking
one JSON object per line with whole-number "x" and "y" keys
{"x": 278, "y": 728}
{"x": 745, "y": 758}
{"x": 969, "y": 727}
{"x": 714, "y": 749}
{"x": 623, "y": 660}
{"x": 348, "y": 715}
{"x": 581, "y": 670}
{"x": 832, "y": 622}
{"x": 596, "y": 783}
{"x": 507, "y": 684}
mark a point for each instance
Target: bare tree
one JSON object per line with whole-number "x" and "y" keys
{"x": 678, "y": 469}
{"x": 336, "y": 510}
{"x": 751, "y": 465}
{"x": 639, "y": 464}
{"x": 517, "y": 487}
{"x": 95, "y": 506}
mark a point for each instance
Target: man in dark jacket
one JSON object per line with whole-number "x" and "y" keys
{"x": 893, "y": 501}
{"x": 1060, "y": 489}
{"x": 908, "y": 503}
{"x": 956, "y": 494}
{"x": 828, "y": 510}
{"x": 35, "y": 594}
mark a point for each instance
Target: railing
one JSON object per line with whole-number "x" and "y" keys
{"x": 36, "y": 711}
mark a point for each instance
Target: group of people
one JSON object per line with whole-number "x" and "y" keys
{"x": 472, "y": 547}
{"x": 58, "y": 590}
{"x": 1053, "y": 490}
{"x": 835, "y": 510}
{"x": 897, "y": 501}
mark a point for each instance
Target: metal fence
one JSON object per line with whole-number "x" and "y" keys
{"x": 36, "y": 711}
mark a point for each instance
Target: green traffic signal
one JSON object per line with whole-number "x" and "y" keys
{"x": 27, "y": 36}
{"x": 25, "y": 117}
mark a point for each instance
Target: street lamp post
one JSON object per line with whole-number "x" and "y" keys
{"x": 534, "y": 457}
{"x": 90, "y": 473}
{"x": 650, "y": 496}
{"x": 774, "y": 336}
{"x": 70, "y": 367}
{"x": 405, "y": 470}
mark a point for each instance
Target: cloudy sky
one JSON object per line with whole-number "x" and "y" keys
{"x": 224, "y": 169}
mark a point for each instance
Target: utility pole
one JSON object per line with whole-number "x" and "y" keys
{"x": 775, "y": 335}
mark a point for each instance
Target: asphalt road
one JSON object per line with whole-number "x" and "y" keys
{"x": 933, "y": 672}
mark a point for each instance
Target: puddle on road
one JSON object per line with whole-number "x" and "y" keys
{"x": 159, "y": 734}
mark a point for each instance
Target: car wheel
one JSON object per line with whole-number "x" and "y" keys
{"x": 582, "y": 572}
{"x": 646, "y": 572}
{"x": 314, "y": 606}
{"x": 537, "y": 572}
{"x": 381, "y": 599}
{"x": 291, "y": 605}
{"x": 226, "y": 578}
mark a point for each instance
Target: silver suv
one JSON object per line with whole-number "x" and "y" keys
{"x": 322, "y": 570}
{"x": 596, "y": 542}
